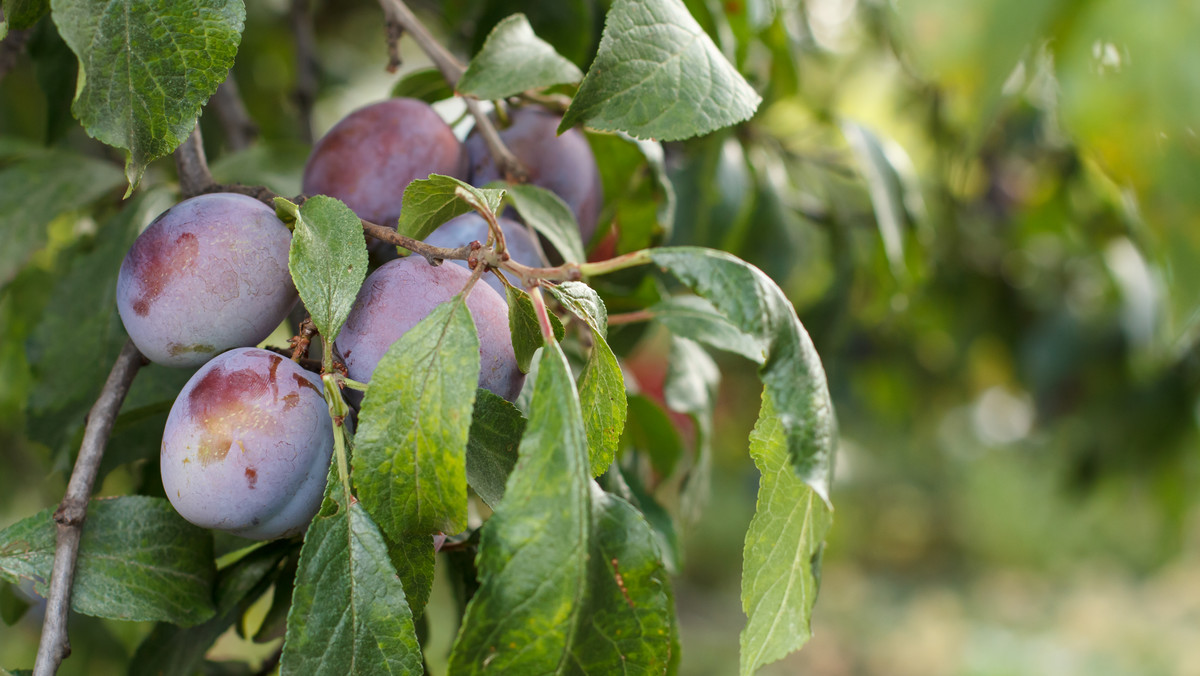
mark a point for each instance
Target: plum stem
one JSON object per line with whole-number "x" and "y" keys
{"x": 55, "y": 645}
{"x": 539, "y": 306}
{"x": 398, "y": 14}
{"x": 354, "y": 384}
{"x": 338, "y": 410}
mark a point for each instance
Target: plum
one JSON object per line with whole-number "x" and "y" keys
{"x": 208, "y": 274}
{"x": 564, "y": 165}
{"x": 401, "y": 293}
{"x": 370, "y": 157}
{"x": 471, "y": 227}
{"x": 247, "y": 446}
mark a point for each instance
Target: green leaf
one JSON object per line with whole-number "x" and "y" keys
{"x": 783, "y": 545}
{"x": 657, "y": 75}
{"x": 583, "y": 302}
{"x": 36, "y": 190}
{"x": 138, "y": 560}
{"x": 638, "y": 194}
{"x": 413, "y": 557}
{"x": 146, "y": 67}
{"x": 533, "y": 552}
{"x": 629, "y": 619}
{"x": 409, "y": 461}
{"x": 650, "y": 430}
{"x": 791, "y": 372}
{"x": 629, "y": 487}
{"x": 430, "y": 202}
{"x": 426, "y": 85}
{"x": 525, "y": 329}
{"x": 169, "y": 650}
{"x": 601, "y": 385}
{"x": 496, "y": 429}
{"x": 696, "y": 318}
{"x": 691, "y": 388}
{"x": 514, "y": 60}
{"x": 22, "y": 14}
{"x": 549, "y": 215}
{"x": 349, "y": 614}
{"x": 328, "y": 261}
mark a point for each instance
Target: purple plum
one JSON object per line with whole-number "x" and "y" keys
{"x": 208, "y": 274}
{"x": 370, "y": 157}
{"x": 404, "y": 291}
{"x": 247, "y": 446}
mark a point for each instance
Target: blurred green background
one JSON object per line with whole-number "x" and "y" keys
{"x": 987, "y": 215}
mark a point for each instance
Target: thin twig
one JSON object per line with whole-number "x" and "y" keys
{"x": 55, "y": 645}
{"x": 305, "y": 93}
{"x": 543, "y": 315}
{"x": 240, "y": 130}
{"x": 399, "y": 14}
{"x": 192, "y": 166}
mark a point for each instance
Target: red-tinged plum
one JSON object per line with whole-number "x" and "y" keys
{"x": 247, "y": 446}
{"x": 564, "y": 165}
{"x": 471, "y": 227}
{"x": 370, "y": 157}
{"x": 403, "y": 292}
{"x": 208, "y": 274}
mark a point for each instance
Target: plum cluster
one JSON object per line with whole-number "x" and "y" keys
{"x": 249, "y": 439}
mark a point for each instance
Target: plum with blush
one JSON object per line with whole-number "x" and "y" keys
{"x": 208, "y": 274}
{"x": 247, "y": 446}
{"x": 370, "y": 157}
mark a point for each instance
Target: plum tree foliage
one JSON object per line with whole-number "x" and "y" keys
{"x": 571, "y": 572}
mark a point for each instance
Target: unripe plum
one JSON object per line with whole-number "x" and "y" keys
{"x": 208, "y": 274}
{"x": 247, "y": 446}
{"x": 403, "y": 292}
{"x": 370, "y": 157}
{"x": 471, "y": 227}
{"x": 564, "y": 165}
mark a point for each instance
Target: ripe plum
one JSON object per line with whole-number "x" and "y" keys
{"x": 247, "y": 446}
{"x": 404, "y": 291}
{"x": 208, "y": 274}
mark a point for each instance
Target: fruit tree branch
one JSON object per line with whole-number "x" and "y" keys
{"x": 192, "y": 166}
{"x": 398, "y": 14}
{"x": 55, "y": 645}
